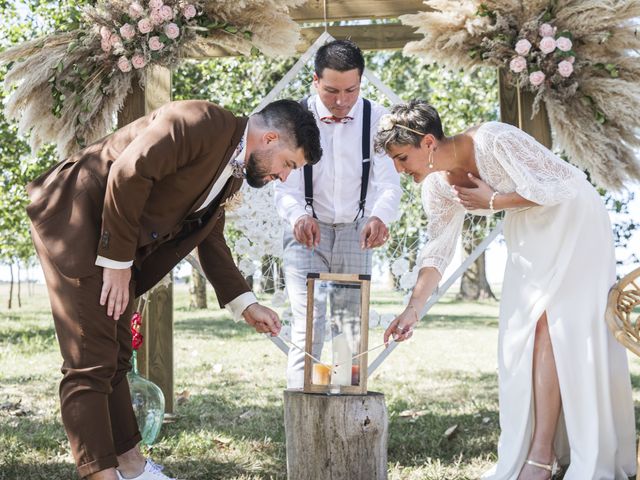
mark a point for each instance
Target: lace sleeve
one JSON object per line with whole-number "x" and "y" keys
{"x": 539, "y": 174}
{"x": 446, "y": 217}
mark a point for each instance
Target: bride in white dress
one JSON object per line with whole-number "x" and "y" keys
{"x": 564, "y": 386}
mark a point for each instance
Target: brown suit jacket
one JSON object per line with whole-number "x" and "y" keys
{"x": 126, "y": 197}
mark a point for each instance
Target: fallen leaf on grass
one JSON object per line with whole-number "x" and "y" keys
{"x": 412, "y": 413}
{"x": 247, "y": 414}
{"x": 183, "y": 397}
{"x": 450, "y": 432}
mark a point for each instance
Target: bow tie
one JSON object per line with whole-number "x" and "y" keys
{"x": 334, "y": 119}
{"x": 237, "y": 165}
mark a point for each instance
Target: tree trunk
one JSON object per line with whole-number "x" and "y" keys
{"x": 197, "y": 291}
{"x": 474, "y": 284}
{"x": 19, "y": 299}
{"x": 10, "y": 287}
{"x": 341, "y": 437}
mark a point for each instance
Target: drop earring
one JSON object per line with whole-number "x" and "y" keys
{"x": 430, "y": 162}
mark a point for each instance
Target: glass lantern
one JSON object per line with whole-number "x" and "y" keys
{"x": 337, "y": 336}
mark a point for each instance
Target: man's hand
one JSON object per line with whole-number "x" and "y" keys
{"x": 263, "y": 319}
{"x": 374, "y": 233}
{"x": 307, "y": 231}
{"x": 115, "y": 290}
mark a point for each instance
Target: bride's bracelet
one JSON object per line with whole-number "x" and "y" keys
{"x": 493, "y": 197}
{"x": 414, "y": 311}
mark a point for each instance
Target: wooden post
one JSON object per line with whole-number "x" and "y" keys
{"x": 155, "y": 359}
{"x": 516, "y": 106}
{"x": 341, "y": 437}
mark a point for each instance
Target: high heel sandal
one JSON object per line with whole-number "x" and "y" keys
{"x": 551, "y": 468}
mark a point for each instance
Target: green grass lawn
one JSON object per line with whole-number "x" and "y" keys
{"x": 231, "y": 426}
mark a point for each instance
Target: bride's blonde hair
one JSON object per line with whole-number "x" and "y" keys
{"x": 407, "y": 124}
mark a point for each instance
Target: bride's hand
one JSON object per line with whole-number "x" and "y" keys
{"x": 402, "y": 326}
{"x": 474, "y": 198}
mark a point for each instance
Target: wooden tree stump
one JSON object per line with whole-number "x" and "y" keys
{"x": 337, "y": 437}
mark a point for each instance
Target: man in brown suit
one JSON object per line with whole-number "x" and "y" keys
{"x": 113, "y": 219}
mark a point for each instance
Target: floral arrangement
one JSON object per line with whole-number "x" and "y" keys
{"x": 69, "y": 85}
{"x": 574, "y": 55}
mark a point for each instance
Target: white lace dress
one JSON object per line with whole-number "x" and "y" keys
{"x": 560, "y": 260}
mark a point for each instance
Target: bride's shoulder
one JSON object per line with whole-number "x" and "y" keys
{"x": 490, "y": 131}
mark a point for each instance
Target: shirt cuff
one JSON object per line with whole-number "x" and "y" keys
{"x": 105, "y": 262}
{"x": 240, "y": 304}
{"x": 296, "y": 214}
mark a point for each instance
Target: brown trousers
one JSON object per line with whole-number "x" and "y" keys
{"x": 94, "y": 392}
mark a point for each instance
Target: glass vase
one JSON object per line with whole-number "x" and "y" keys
{"x": 148, "y": 403}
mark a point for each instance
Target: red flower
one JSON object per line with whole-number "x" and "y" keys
{"x": 136, "y": 340}
{"x": 136, "y": 325}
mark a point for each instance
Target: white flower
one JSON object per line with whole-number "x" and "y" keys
{"x": 124, "y": 64}
{"x": 127, "y": 31}
{"x": 189, "y": 11}
{"x": 247, "y": 267}
{"x": 564, "y": 44}
{"x": 399, "y": 266}
{"x": 166, "y": 12}
{"x": 386, "y": 122}
{"x": 518, "y": 64}
{"x": 145, "y": 26}
{"x": 135, "y": 10}
{"x": 546, "y": 30}
{"x": 547, "y": 45}
{"x": 565, "y": 68}
{"x": 523, "y": 46}
{"x": 536, "y": 78}
{"x": 155, "y": 44}
{"x": 138, "y": 61}
{"x": 172, "y": 30}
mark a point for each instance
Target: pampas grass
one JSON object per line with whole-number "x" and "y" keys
{"x": 74, "y": 65}
{"x": 604, "y": 33}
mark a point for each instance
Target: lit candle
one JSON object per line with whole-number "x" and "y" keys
{"x": 341, "y": 374}
{"x": 321, "y": 374}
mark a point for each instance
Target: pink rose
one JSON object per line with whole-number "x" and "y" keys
{"x": 564, "y": 44}
{"x": 547, "y": 45}
{"x": 155, "y": 44}
{"x": 135, "y": 10}
{"x": 546, "y": 30}
{"x": 156, "y": 17}
{"x": 124, "y": 64}
{"x": 171, "y": 30}
{"x": 105, "y": 45}
{"x": 565, "y": 68}
{"x": 189, "y": 11}
{"x": 518, "y": 64}
{"x": 570, "y": 59}
{"x": 115, "y": 40}
{"x": 127, "y": 31}
{"x": 155, "y": 4}
{"x": 536, "y": 78}
{"x": 105, "y": 33}
{"x": 523, "y": 46}
{"x": 166, "y": 12}
{"x": 138, "y": 61}
{"x": 145, "y": 26}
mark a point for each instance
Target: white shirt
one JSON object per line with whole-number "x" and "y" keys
{"x": 238, "y": 304}
{"x": 338, "y": 175}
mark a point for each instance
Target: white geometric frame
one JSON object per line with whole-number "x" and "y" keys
{"x": 391, "y": 95}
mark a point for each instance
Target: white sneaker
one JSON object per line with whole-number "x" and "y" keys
{"x": 152, "y": 471}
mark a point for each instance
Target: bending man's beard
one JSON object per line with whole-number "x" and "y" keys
{"x": 257, "y": 168}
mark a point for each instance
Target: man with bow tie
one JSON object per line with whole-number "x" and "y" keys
{"x": 113, "y": 219}
{"x": 340, "y": 208}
